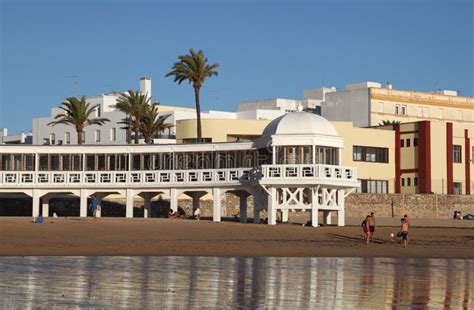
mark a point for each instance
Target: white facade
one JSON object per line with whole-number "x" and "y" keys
{"x": 112, "y": 132}
{"x": 22, "y": 138}
{"x": 316, "y": 183}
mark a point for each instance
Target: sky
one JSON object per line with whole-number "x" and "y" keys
{"x": 51, "y": 49}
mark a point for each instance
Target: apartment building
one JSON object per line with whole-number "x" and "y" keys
{"x": 369, "y": 104}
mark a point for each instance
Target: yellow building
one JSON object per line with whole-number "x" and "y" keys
{"x": 370, "y": 150}
{"x": 220, "y": 130}
{"x": 410, "y": 106}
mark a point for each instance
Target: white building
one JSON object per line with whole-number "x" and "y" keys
{"x": 312, "y": 99}
{"x": 112, "y": 132}
{"x": 295, "y": 165}
{"x": 21, "y": 138}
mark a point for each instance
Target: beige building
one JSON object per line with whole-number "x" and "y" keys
{"x": 220, "y": 130}
{"x": 433, "y": 157}
{"x": 370, "y": 150}
{"x": 369, "y": 104}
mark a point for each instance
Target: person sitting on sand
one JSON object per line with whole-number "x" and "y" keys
{"x": 404, "y": 231}
{"x": 365, "y": 227}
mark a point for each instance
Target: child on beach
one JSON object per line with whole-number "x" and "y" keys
{"x": 404, "y": 231}
{"x": 365, "y": 227}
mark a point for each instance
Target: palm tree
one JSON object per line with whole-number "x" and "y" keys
{"x": 195, "y": 69}
{"x": 133, "y": 104}
{"x": 153, "y": 123}
{"x": 388, "y": 122}
{"x": 77, "y": 113}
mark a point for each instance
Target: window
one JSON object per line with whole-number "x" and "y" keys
{"x": 420, "y": 111}
{"x": 380, "y": 107}
{"x": 97, "y": 136}
{"x": 52, "y": 138}
{"x": 113, "y": 134}
{"x": 457, "y": 188}
{"x": 403, "y": 182}
{"x": 426, "y": 112}
{"x": 408, "y": 181}
{"x": 370, "y": 154}
{"x": 415, "y": 142}
{"x": 404, "y": 110}
{"x": 373, "y": 186}
{"x": 67, "y": 138}
{"x": 98, "y": 111}
{"x": 397, "y": 109}
{"x": 402, "y": 143}
{"x": 415, "y": 181}
{"x": 408, "y": 142}
{"x": 472, "y": 155}
{"x": 457, "y": 158}
{"x": 357, "y": 155}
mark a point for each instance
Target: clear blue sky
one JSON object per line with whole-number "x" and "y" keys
{"x": 265, "y": 49}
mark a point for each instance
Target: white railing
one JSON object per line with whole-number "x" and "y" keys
{"x": 176, "y": 178}
{"x": 307, "y": 172}
{"x": 126, "y": 178}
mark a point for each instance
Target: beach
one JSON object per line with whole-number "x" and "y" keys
{"x": 168, "y": 237}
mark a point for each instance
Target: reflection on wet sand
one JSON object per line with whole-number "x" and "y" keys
{"x": 223, "y": 282}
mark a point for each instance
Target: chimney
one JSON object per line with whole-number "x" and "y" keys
{"x": 145, "y": 87}
{"x": 389, "y": 85}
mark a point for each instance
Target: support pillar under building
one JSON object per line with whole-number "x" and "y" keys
{"x": 45, "y": 206}
{"x": 271, "y": 206}
{"x": 83, "y": 203}
{"x": 243, "y": 207}
{"x": 129, "y": 204}
{"x": 216, "y": 209}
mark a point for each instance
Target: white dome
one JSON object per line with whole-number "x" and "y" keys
{"x": 300, "y": 123}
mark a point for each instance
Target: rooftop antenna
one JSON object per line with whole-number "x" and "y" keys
{"x": 75, "y": 81}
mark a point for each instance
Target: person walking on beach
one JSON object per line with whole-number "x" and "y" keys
{"x": 94, "y": 205}
{"x": 404, "y": 231}
{"x": 365, "y": 227}
{"x": 372, "y": 226}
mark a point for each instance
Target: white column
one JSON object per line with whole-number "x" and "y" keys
{"x": 83, "y": 203}
{"x": 243, "y": 208}
{"x": 35, "y": 202}
{"x": 174, "y": 200}
{"x": 327, "y": 217}
{"x": 341, "y": 214}
{"x": 271, "y": 207}
{"x": 45, "y": 207}
{"x": 129, "y": 206}
{"x": 284, "y": 216}
{"x": 314, "y": 207}
{"x": 146, "y": 205}
{"x": 216, "y": 209}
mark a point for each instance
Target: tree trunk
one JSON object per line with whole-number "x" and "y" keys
{"x": 79, "y": 137}
{"x": 137, "y": 131}
{"x": 129, "y": 130}
{"x": 198, "y": 114}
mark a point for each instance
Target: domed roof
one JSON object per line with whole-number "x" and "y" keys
{"x": 300, "y": 123}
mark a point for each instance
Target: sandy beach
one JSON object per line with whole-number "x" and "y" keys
{"x": 112, "y": 236}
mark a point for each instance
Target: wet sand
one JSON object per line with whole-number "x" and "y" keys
{"x": 166, "y": 237}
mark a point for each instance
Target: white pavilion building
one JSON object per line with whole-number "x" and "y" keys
{"x": 294, "y": 165}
